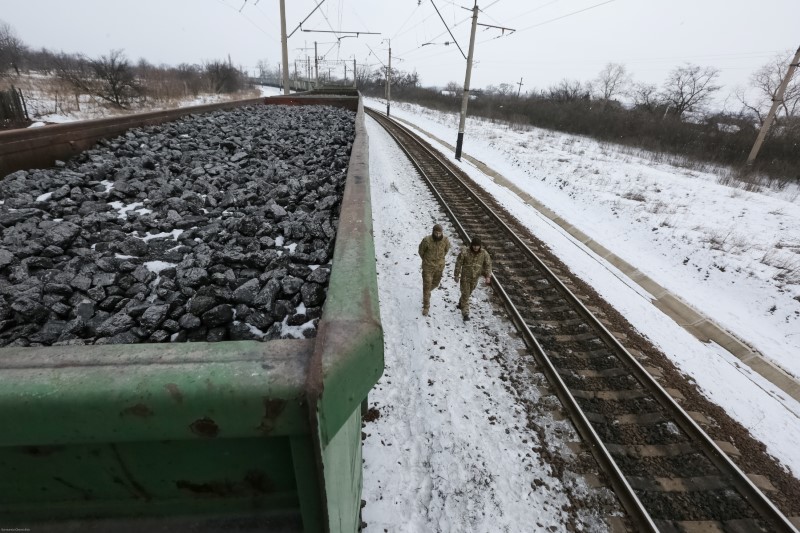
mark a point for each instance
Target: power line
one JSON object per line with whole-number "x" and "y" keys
{"x": 567, "y": 15}
{"x": 459, "y": 23}
{"x": 305, "y": 19}
{"x": 535, "y": 9}
{"x": 406, "y": 22}
{"x": 448, "y": 29}
{"x": 376, "y": 56}
{"x": 483, "y": 10}
{"x": 259, "y": 28}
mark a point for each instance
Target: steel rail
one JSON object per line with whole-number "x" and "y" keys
{"x": 746, "y": 488}
{"x": 622, "y": 488}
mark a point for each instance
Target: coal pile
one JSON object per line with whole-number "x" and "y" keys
{"x": 214, "y": 227}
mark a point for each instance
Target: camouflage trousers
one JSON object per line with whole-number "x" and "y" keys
{"x": 467, "y": 286}
{"x": 431, "y": 277}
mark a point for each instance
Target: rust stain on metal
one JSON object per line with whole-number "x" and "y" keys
{"x": 139, "y": 410}
{"x": 254, "y": 482}
{"x": 259, "y": 482}
{"x": 272, "y": 410}
{"x": 204, "y": 427}
{"x": 175, "y": 392}
{"x": 211, "y": 488}
{"x": 41, "y": 451}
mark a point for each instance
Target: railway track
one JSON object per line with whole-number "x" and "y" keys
{"x": 668, "y": 474}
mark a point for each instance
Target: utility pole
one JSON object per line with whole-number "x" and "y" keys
{"x": 354, "y": 74}
{"x": 285, "y": 49}
{"x": 462, "y": 121}
{"x": 776, "y": 101}
{"x": 316, "y": 66}
{"x": 520, "y": 87}
{"x": 389, "y": 81}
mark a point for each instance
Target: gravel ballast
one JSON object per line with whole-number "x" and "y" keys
{"x": 214, "y": 227}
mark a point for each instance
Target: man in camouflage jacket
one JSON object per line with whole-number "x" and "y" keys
{"x": 432, "y": 250}
{"x": 472, "y": 264}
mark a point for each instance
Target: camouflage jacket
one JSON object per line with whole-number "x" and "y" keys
{"x": 433, "y": 252}
{"x": 470, "y": 266}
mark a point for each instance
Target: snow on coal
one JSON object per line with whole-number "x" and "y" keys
{"x": 214, "y": 227}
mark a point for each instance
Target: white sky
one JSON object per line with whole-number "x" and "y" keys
{"x": 649, "y": 37}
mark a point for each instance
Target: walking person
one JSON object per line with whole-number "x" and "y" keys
{"x": 432, "y": 250}
{"x": 472, "y": 264}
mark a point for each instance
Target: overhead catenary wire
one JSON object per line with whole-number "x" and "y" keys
{"x": 547, "y": 21}
{"x": 305, "y": 19}
{"x": 448, "y": 29}
{"x": 376, "y": 56}
{"x": 414, "y": 12}
{"x": 248, "y": 19}
{"x": 567, "y": 15}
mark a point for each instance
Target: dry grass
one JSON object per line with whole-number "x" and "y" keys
{"x": 728, "y": 242}
{"x": 636, "y": 196}
{"x": 787, "y": 263}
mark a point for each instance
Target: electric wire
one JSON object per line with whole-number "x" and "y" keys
{"x": 448, "y": 29}
{"x": 259, "y": 28}
{"x": 566, "y": 16}
{"x": 406, "y": 22}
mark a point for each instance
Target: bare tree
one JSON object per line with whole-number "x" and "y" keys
{"x": 453, "y": 87}
{"x": 264, "y": 71}
{"x": 191, "y": 78}
{"x": 645, "y": 96}
{"x": 689, "y": 88}
{"x": 223, "y": 77}
{"x": 11, "y": 49}
{"x": 612, "y": 81}
{"x": 110, "y": 78}
{"x": 117, "y": 84}
{"x": 764, "y": 84}
{"x": 568, "y": 91}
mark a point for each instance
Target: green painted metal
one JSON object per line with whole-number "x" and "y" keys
{"x": 151, "y": 429}
{"x": 343, "y": 476}
{"x": 202, "y": 434}
{"x": 84, "y": 394}
{"x": 348, "y": 355}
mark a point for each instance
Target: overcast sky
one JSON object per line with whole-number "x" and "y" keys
{"x": 650, "y": 37}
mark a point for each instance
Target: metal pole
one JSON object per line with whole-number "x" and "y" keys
{"x": 778, "y": 100}
{"x": 389, "y": 81}
{"x": 285, "y": 49}
{"x": 316, "y": 66}
{"x": 354, "y": 74}
{"x": 462, "y": 122}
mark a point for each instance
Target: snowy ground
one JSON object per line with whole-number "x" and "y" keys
{"x": 450, "y": 451}
{"x": 731, "y": 253}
